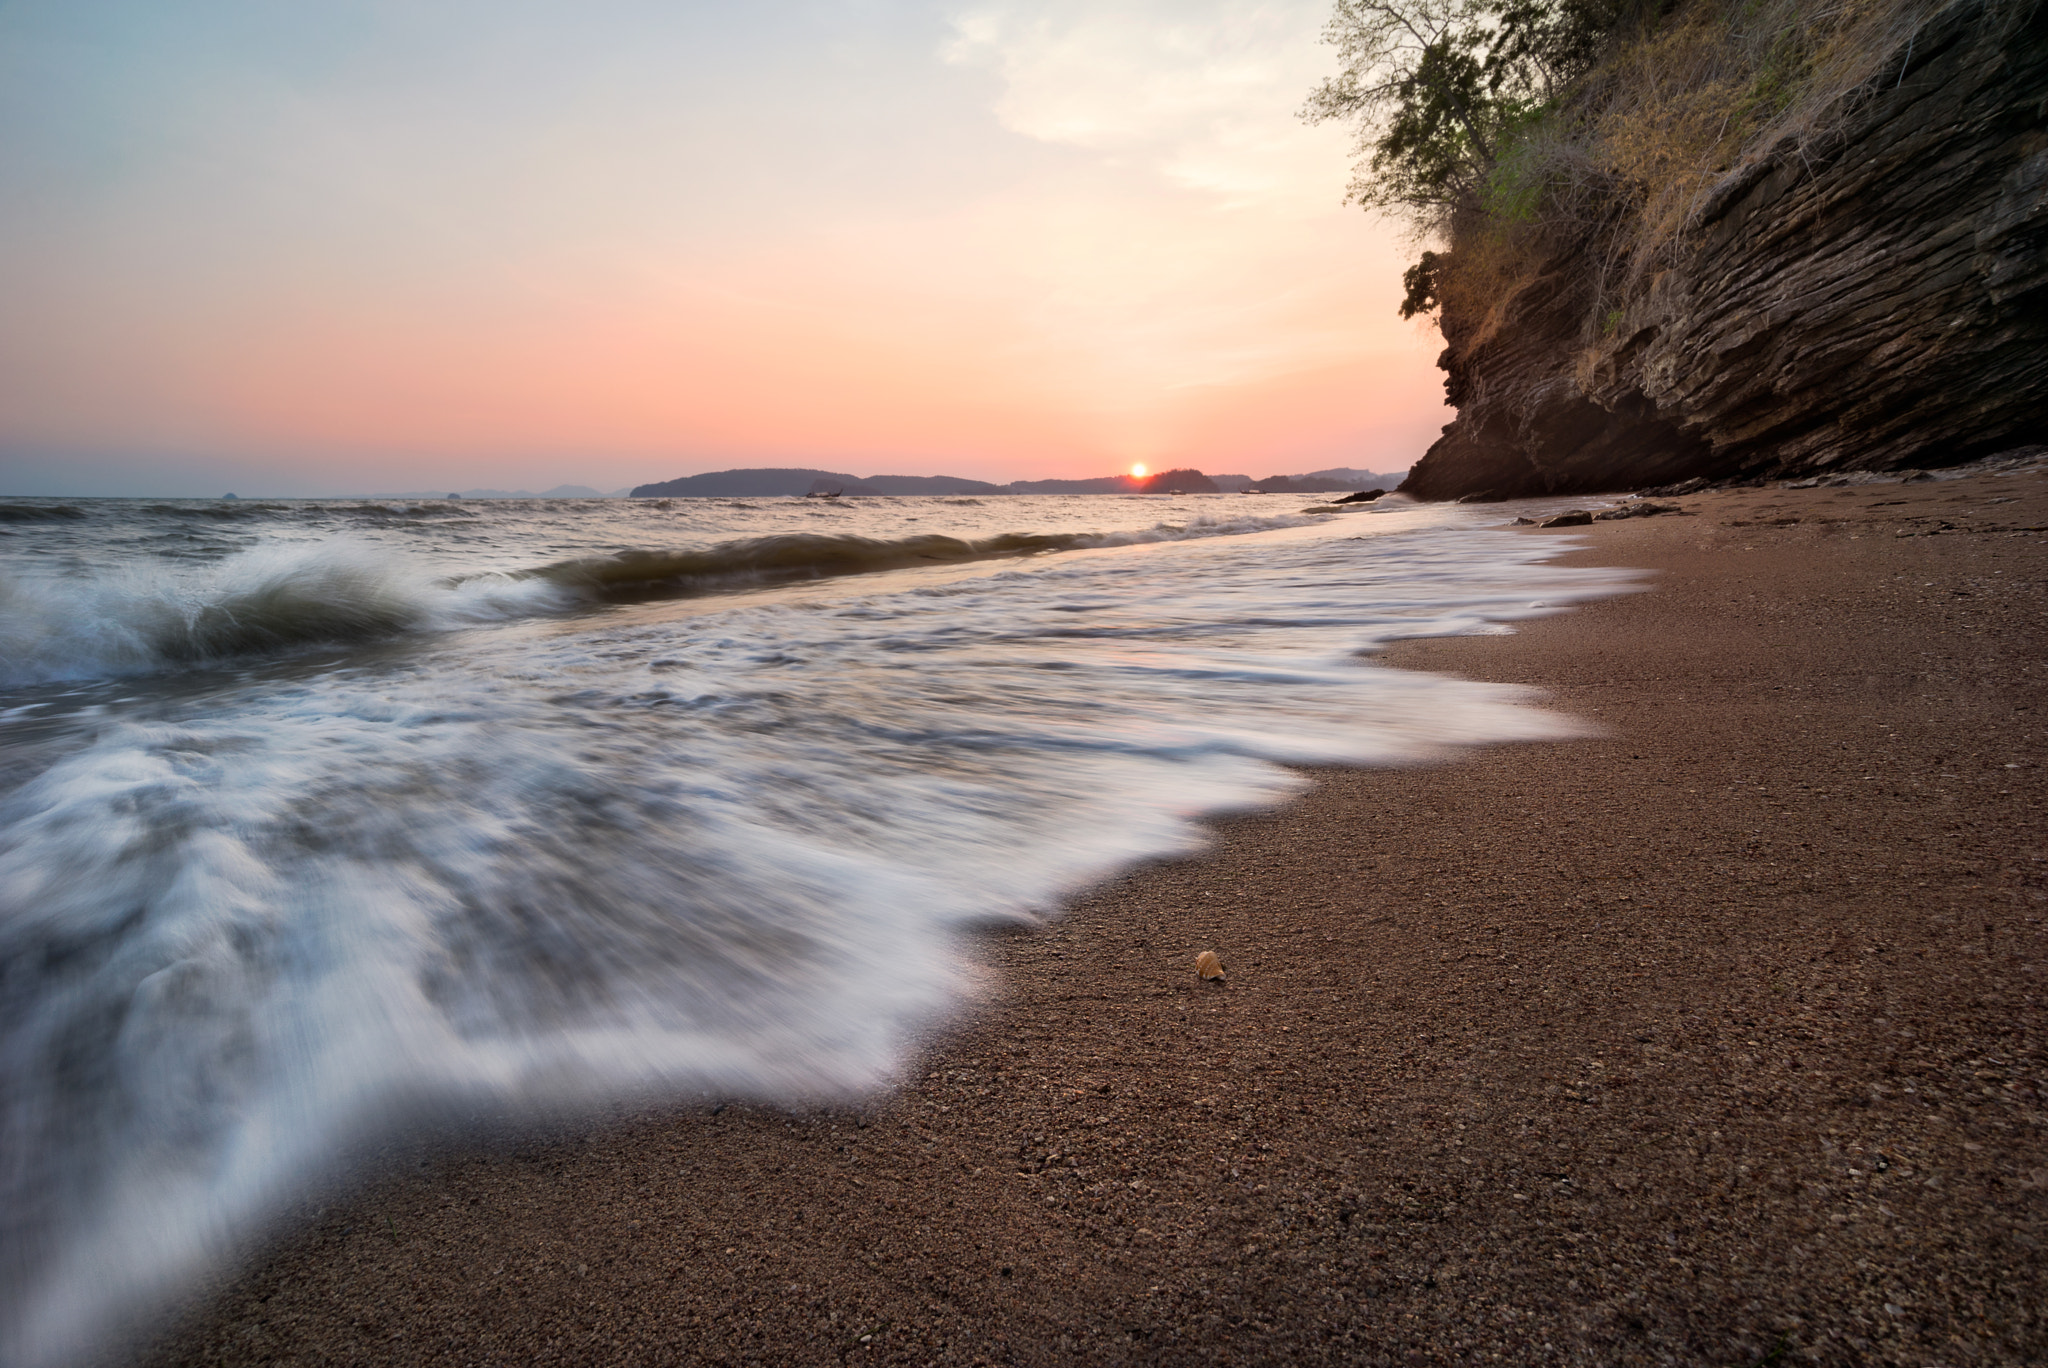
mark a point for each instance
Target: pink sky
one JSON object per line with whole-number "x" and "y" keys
{"x": 1001, "y": 241}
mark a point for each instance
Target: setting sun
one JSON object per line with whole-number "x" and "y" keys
{"x": 1138, "y": 471}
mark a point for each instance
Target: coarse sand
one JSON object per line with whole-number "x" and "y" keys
{"x": 1715, "y": 1040}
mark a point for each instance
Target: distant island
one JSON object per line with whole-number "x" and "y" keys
{"x": 792, "y": 482}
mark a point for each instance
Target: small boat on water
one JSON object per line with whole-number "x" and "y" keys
{"x": 822, "y": 494}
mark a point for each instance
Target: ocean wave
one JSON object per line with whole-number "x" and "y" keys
{"x": 15, "y": 512}
{"x": 640, "y": 575}
{"x": 265, "y": 599}
{"x": 219, "y": 512}
{"x": 280, "y": 597}
{"x": 645, "y": 855}
{"x": 382, "y": 511}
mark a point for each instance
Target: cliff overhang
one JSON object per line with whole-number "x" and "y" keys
{"x": 1873, "y": 300}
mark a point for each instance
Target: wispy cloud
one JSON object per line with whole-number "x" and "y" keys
{"x": 1202, "y": 92}
{"x": 981, "y": 236}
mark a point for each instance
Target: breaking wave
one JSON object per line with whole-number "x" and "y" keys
{"x": 636, "y": 576}
{"x": 280, "y": 597}
{"x": 15, "y": 512}
{"x": 267, "y": 599}
{"x": 252, "y": 931}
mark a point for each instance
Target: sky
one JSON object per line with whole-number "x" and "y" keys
{"x": 342, "y": 245}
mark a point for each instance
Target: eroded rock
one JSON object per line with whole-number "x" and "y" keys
{"x": 1877, "y": 300}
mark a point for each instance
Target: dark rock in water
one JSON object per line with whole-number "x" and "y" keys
{"x": 230, "y": 496}
{"x": 1523, "y": 522}
{"x": 1362, "y": 496}
{"x": 1871, "y": 299}
{"x": 1578, "y": 517}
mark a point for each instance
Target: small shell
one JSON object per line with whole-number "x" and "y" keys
{"x": 1208, "y": 966}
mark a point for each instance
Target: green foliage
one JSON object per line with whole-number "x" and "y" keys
{"x": 1516, "y": 188}
{"x": 1420, "y": 282}
{"x": 1524, "y": 132}
{"x": 1443, "y": 94}
{"x": 1440, "y": 89}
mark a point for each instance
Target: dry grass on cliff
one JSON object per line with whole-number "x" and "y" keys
{"x": 1635, "y": 150}
{"x": 1728, "y": 83}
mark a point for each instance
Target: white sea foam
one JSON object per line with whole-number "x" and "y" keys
{"x": 696, "y": 849}
{"x": 132, "y": 618}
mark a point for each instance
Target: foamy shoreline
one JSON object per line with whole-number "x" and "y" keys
{"x": 1708, "y": 1036}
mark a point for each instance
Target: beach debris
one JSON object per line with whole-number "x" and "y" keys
{"x": 1636, "y": 510}
{"x": 1208, "y": 966}
{"x": 1672, "y": 491}
{"x": 1578, "y": 517}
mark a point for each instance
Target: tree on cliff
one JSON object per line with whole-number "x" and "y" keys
{"x": 1442, "y": 92}
{"x": 1511, "y": 130}
{"x": 1438, "y": 88}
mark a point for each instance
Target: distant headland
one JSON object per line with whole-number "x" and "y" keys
{"x": 791, "y": 481}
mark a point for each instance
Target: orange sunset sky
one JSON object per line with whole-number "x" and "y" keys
{"x": 345, "y": 246}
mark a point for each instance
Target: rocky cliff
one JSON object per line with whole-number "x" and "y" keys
{"x": 1874, "y": 299}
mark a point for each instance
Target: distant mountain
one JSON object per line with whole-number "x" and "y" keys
{"x": 1107, "y": 484}
{"x": 1337, "y": 480}
{"x": 765, "y": 483}
{"x": 1351, "y": 474}
{"x": 1302, "y": 484}
{"x": 1180, "y": 482}
{"x": 928, "y": 484}
{"x": 784, "y": 482}
{"x": 902, "y": 486}
{"x": 788, "y": 482}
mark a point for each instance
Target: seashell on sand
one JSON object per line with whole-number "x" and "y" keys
{"x": 1208, "y": 966}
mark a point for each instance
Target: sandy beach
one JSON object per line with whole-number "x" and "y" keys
{"x": 1716, "y": 1038}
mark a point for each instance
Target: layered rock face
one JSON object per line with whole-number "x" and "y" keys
{"x": 1877, "y": 302}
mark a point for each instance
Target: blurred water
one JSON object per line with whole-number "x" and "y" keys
{"x": 317, "y": 820}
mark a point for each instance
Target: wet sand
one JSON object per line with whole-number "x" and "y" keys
{"x": 1717, "y": 1039}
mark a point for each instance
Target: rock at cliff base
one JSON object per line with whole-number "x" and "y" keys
{"x": 1578, "y": 517}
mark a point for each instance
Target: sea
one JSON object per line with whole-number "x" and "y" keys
{"x": 329, "y": 821}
